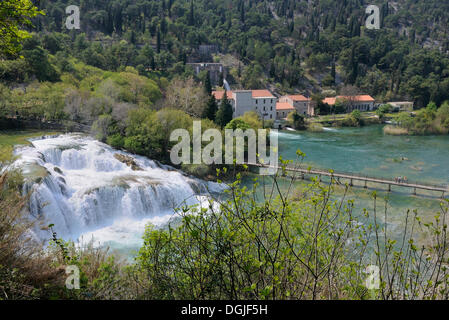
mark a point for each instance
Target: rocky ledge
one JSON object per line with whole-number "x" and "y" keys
{"x": 129, "y": 161}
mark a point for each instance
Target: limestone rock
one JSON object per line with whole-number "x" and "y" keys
{"x": 129, "y": 161}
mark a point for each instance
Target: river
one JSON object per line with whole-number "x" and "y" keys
{"x": 79, "y": 185}
{"x": 368, "y": 151}
{"x": 85, "y": 189}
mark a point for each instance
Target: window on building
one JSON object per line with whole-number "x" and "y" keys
{"x": 264, "y": 101}
{"x": 257, "y": 101}
{"x": 271, "y": 117}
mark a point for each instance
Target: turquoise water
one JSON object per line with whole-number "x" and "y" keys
{"x": 368, "y": 151}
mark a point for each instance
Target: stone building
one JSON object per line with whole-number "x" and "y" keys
{"x": 215, "y": 70}
{"x": 261, "y": 101}
{"x": 301, "y": 104}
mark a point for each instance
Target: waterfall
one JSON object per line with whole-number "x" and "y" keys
{"x": 226, "y": 85}
{"x": 86, "y": 188}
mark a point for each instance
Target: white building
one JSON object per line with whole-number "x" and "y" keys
{"x": 261, "y": 101}
{"x": 402, "y": 105}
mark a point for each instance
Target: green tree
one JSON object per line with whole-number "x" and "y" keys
{"x": 225, "y": 112}
{"x": 211, "y": 109}
{"x": 296, "y": 120}
{"x": 207, "y": 83}
{"x": 15, "y": 14}
{"x": 37, "y": 58}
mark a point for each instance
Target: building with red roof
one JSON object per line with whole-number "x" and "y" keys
{"x": 297, "y": 102}
{"x": 359, "y": 102}
{"x": 261, "y": 101}
{"x": 283, "y": 109}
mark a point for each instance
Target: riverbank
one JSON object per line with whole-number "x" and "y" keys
{"x": 11, "y": 138}
{"x": 428, "y": 121}
{"x": 340, "y": 120}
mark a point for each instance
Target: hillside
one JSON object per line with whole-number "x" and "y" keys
{"x": 287, "y": 45}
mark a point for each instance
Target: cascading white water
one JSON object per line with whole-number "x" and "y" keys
{"x": 80, "y": 185}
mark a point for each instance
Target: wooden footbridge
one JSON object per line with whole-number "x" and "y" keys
{"x": 366, "y": 180}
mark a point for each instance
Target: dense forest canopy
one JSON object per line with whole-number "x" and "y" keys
{"x": 303, "y": 45}
{"x": 286, "y": 45}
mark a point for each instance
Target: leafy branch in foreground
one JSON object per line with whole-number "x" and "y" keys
{"x": 15, "y": 14}
{"x": 268, "y": 241}
{"x": 315, "y": 246}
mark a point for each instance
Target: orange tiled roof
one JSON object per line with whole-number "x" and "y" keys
{"x": 359, "y": 98}
{"x": 262, "y": 94}
{"x": 284, "y": 106}
{"x": 330, "y": 101}
{"x": 255, "y": 94}
{"x": 298, "y": 97}
{"x": 219, "y": 94}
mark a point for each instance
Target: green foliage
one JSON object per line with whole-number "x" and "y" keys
{"x": 224, "y": 113}
{"x": 211, "y": 108}
{"x": 296, "y": 120}
{"x": 385, "y": 64}
{"x": 383, "y": 110}
{"x": 354, "y": 119}
{"x": 287, "y": 247}
{"x": 252, "y": 118}
{"x": 14, "y": 15}
{"x": 238, "y": 124}
{"x": 116, "y": 140}
{"x": 429, "y": 120}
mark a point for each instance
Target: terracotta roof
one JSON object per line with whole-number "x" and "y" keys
{"x": 298, "y": 97}
{"x": 330, "y": 101}
{"x": 359, "y": 98}
{"x": 219, "y": 94}
{"x": 255, "y": 94}
{"x": 262, "y": 94}
{"x": 284, "y": 106}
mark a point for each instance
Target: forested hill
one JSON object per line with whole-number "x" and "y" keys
{"x": 288, "y": 45}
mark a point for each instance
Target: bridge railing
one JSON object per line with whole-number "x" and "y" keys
{"x": 364, "y": 176}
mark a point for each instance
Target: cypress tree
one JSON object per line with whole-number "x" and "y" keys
{"x": 158, "y": 45}
{"x": 207, "y": 84}
{"x": 191, "y": 14}
{"x": 225, "y": 112}
{"x": 221, "y": 79}
{"x": 211, "y": 108}
{"x": 333, "y": 73}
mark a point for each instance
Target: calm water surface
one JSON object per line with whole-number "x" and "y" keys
{"x": 367, "y": 151}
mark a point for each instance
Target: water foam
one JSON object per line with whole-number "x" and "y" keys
{"x": 79, "y": 185}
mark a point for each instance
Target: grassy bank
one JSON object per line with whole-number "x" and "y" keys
{"x": 9, "y": 139}
{"x": 341, "y": 120}
{"x": 395, "y": 130}
{"x": 427, "y": 121}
